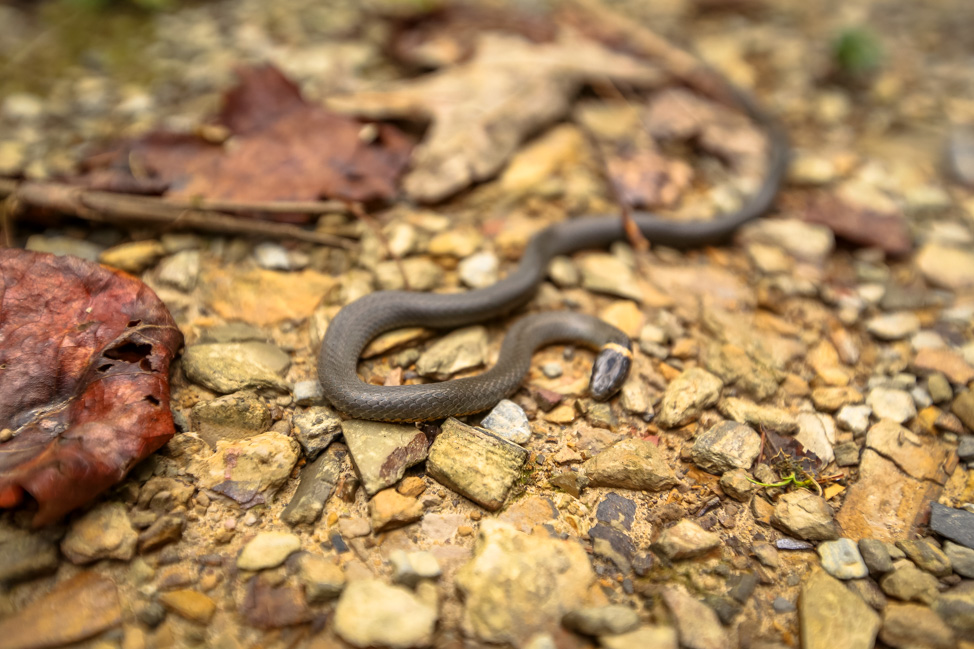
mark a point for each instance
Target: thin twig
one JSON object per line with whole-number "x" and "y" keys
{"x": 128, "y": 209}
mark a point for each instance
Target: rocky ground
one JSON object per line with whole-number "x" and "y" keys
{"x": 269, "y": 521}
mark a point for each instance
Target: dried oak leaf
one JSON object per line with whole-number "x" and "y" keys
{"x": 84, "y": 379}
{"x": 280, "y": 148}
{"x": 861, "y": 218}
{"x": 481, "y": 110}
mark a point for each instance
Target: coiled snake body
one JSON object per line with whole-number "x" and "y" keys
{"x": 361, "y": 321}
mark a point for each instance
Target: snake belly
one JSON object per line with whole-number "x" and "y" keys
{"x": 359, "y": 322}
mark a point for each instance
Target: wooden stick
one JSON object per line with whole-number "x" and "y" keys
{"x": 129, "y": 209}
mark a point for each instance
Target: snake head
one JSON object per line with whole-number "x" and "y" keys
{"x": 610, "y": 371}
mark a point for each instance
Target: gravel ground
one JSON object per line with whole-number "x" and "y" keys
{"x": 843, "y": 321}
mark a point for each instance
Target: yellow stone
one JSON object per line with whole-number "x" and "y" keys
{"x": 190, "y": 604}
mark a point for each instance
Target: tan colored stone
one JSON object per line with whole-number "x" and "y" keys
{"x": 263, "y": 297}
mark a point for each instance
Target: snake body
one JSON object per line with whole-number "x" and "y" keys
{"x": 359, "y": 322}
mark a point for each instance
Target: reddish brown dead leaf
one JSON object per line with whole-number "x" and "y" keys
{"x": 280, "y": 148}
{"x": 84, "y": 379}
{"x": 861, "y": 224}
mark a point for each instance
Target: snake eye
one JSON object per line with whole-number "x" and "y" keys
{"x": 609, "y": 371}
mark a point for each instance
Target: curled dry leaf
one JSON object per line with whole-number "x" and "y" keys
{"x": 481, "y": 110}
{"x": 84, "y": 379}
{"x": 278, "y": 148}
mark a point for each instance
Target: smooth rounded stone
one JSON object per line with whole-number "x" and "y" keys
{"x": 854, "y": 418}
{"x": 830, "y": 616}
{"x": 747, "y": 412}
{"x": 961, "y": 559}
{"x": 268, "y": 550}
{"x": 946, "y": 266}
{"x": 841, "y": 559}
{"x": 892, "y": 404}
{"x": 459, "y": 350}
{"x": 601, "y": 620}
{"x": 908, "y": 583}
{"x": 632, "y": 463}
{"x": 409, "y": 568}
{"x": 381, "y": 452}
{"x": 190, "y": 604}
{"x": 322, "y": 578}
{"x": 913, "y": 626}
{"x": 687, "y": 396}
{"x": 552, "y": 370}
{"x": 965, "y": 449}
{"x": 274, "y": 256}
{"x": 563, "y": 272}
{"x": 870, "y": 593}
{"x": 475, "y": 464}
{"x": 133, "y": 257}
{"x": 230, "y": 417}
{"x": 460, "y": 241}
{"x": 76, "y": 609}
{"x": 685, "y": 540}
{"x": 657, "y": 637}
{"x": 735, "y": 484}
{"x": 181, "y": 270}
{"x": 316, "y": 483}
{"x": 808, "y": 168}
{"x": 61, "y": 246}
{"x": 926, "y": 556}
{"x": 479, "y": 269}
{"x": 605, "y": 273}
{"x": 501, "y": 582}
{"x": 956, "y": 608}
{"x": 894, "y": 326}
{"x": 782, "y": 605}
{"x": 509, "y": 421}
{"x": 939, "y": 388}
{"x": 390, "y": 509}
{"x": 805, "y": 241}
{"x": 697, "y": 624}
{"x": 805, "y": 515}
{"x": 963, "y": 407}
{"x": 817, "y": 434}
{"x": 249, "y": 471}
{"x": 371, "y": 613}
{"x": 231, "y": 367}
{"x": 422, "y": 272}
{"x": 25, "y": 555}
{"x": 315, "y": 429}
{"x": 876, "y": 556}
{"x": 726, "y": 446}
{"x": 105, "y": 532}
